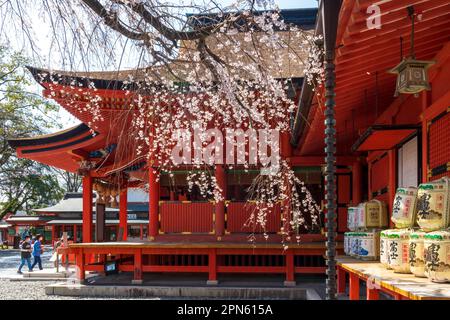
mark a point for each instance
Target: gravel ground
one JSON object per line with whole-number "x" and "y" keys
{"x": 27, "y": 290}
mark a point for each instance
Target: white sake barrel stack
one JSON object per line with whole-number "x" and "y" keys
{"x": 404, "y": 208}
{"x": 398, "y": 250}
{"x": 433, "y": 205}
{"x": 416, "y": 253}
{"x": 372, "y": 214}
{"x": 437, "y": 256}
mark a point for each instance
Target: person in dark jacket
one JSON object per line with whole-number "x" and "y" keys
{"x": 25, "y": 254}
{"x": 37, "y": 251}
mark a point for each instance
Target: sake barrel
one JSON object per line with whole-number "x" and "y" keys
{"x": 369, "y": 245}
{"x": 437, "y": 256}
{"x": 384, "y": 248}
{"x": 398, "y": 250}
{"x": 351, "y": 218}
{"x": 404, "y": 207}
{"x": 416, "y": 253}
{"x": 347, "y": 246}
{"x": 433, "y": 205}
{"x": 372, "y": 214}
{"x": 354, "y": 244}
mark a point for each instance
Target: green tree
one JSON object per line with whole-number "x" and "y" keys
{"x": 24, "y": 184}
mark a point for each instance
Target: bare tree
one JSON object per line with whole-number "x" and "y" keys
{"x": 71, "y": 181}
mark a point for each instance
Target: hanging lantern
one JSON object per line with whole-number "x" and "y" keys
{"x": 412, "y": 74}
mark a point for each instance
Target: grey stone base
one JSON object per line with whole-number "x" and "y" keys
{"x": 289, "y": 283}
{"x": 294, "y": 293}
{"x": 137, "y": 281}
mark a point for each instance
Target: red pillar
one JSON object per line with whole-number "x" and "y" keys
{"x": 123, "y": 213}
{"x": 354, "y": 287}
{"x": 153, "y": 205}
{"x": 87, "y": 209}
{"x": 357, "y": 182}
{"x": 221, "y": 180}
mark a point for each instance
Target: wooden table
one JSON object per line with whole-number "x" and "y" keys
{"x": 378, "y": 278}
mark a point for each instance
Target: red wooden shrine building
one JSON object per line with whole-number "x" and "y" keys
{"x": 382, "y": 142}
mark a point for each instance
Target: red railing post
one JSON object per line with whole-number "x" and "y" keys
{"x": 79, "y": 260}
{"x": 290, "y": 275}
{"x": 137, "y": 276}
{"x": 123, "y": 213}
{"x": 212, "y": 267}
{"x": 371, "y": 292}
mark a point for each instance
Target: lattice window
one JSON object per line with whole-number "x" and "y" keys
{"x": 439, "y": 146}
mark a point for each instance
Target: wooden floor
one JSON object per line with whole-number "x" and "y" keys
{"x": 399, "y": 285}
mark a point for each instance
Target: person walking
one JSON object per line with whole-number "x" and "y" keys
{"x": 25, "y": 254}
{"x": 38, "y": 248}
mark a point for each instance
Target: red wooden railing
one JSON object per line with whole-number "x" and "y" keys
{"x": 231, "y": 258}
{"x": 238, "y": 213}
{"x": 186, "y": 217}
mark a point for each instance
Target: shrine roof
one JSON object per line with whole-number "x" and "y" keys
{"x": 364, "y": 89}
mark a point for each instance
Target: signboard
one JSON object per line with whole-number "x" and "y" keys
{"x": 111, "y": 267}
{"x": 131, "y": 216}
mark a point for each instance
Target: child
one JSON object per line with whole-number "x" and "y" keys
{"x": 25, "y": 254}
{"x": 37, "y": 250}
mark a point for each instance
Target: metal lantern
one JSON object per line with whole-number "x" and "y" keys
{"x": 412, "y": 76}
